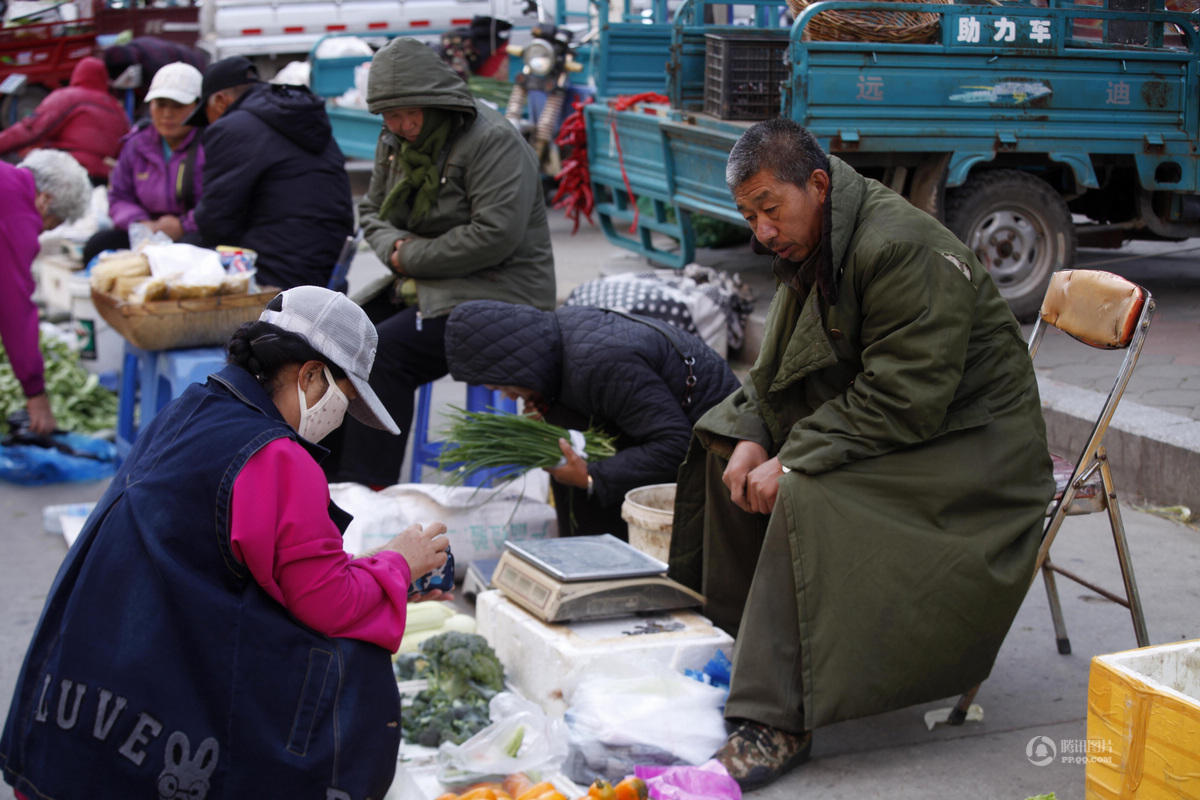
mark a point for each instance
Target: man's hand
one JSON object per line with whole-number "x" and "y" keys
{"x": 168, "y": 224}
{"x": 574, "y": 472}
{"x": 762, "y": 486}
{"x": 397, "y": 263}
{"x": 746, "y": 456}
{"x": 41, "y": 418}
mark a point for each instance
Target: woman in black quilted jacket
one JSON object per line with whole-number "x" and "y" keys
{"x": 637, "y": 378}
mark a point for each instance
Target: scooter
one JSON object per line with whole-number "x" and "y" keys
{"x": 549, "y": 59}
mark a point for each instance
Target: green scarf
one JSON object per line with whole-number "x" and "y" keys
{"x": 420, "y": 166}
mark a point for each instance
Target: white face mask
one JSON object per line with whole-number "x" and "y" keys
{"x": 326, "y": 414}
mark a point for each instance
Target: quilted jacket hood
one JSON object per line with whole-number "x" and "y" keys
{"x": 502, "y": 344}
{"x": 406, "y": 73}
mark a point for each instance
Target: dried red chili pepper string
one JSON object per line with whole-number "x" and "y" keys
{"x": 574, "y": 194}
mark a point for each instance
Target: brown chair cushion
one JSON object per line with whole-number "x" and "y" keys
{"x": 1095, "y": 307}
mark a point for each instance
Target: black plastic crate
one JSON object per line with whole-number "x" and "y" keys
{"x": 742, "y": 72}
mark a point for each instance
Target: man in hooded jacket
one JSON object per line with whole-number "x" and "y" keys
{"x": 455, "y": 209}
{"x": 866, "y": 510}
{"x": 82, "y": 118}
{"x": 274, "y": 178}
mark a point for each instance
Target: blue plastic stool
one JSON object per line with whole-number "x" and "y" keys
{"x": 425, "y": 453}
{"x": 155, "y": 378}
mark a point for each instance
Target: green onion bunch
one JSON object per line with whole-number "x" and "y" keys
{"x": 511, "y": 443}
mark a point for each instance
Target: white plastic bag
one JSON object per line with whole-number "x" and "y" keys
{"x": 520, "y": 726}
{"x": 625, "y": 713}
{"x": 478, "y": 521}
{"x": 185, "y": 264}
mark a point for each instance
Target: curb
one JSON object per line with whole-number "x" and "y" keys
{"x": 1154, "y": 455}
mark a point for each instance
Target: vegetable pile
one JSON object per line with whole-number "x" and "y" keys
{"x": 77, "y": 399}
{"x": 463, "y": 674}
{"x": 510, "y": 443}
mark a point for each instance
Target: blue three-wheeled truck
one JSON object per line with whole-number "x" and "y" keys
{"x": 1025, "y": 129}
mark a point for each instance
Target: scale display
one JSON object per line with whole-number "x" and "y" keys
{"x": 587, "y": 558}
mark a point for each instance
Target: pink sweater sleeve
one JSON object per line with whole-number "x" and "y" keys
{"x": 281, "y": 531}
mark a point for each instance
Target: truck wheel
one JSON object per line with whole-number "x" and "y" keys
{"x": 1020, "y": 230}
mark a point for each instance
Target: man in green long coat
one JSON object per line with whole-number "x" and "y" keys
{"x": 864, "y": 513}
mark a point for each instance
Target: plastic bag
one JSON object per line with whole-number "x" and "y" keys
{"x": 622, "y": 714}
{"x": 709, "y": 781}
{"x": 185, "y": 264}
{"x": 478, "y": 521}
{"x": 140, "y": 235}
{"x": 520, "y": 739}
{"x": 32, "y": 465}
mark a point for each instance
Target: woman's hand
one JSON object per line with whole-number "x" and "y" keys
{"x": 423, "y": 547}
{"x": 574, "y": 472}
{"x": 396, "y": 261}
{"x": 41, "y": 418}
{"x": 746, "y": 456}
{"x": 168, "y": 224}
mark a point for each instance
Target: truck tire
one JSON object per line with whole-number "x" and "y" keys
{"x": 1020, "y": 230}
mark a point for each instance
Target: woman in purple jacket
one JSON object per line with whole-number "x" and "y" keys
{"x": 157, "y": 177}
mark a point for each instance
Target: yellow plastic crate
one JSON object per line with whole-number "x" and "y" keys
{"x": 1143, "y": 724}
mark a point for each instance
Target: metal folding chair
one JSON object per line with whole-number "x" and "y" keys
{"x": 1105, "y": 311}
{"x": 1109, "y": 312}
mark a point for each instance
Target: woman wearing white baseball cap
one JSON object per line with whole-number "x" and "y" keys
{"x": 157, "y": 177}
{"x": 234, "y": 648}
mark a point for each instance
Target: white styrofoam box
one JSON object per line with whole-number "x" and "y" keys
{"x": 101, "y": 348}
{"x": 540, "y": 658}
{"x": 54, "y": 275}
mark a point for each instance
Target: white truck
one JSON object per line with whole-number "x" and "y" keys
{"x": 273, "y": 32}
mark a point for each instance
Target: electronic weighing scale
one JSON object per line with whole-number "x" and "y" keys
{"x": 586, "y": 577}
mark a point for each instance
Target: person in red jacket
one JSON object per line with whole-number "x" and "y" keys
{"x": 83, "y": 119}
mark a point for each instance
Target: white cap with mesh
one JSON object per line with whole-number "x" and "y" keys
{"x": 177, "y": 81}
{"x": 339, "y": 330}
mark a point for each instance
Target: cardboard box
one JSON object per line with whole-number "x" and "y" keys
{"x": 539, "y": 658}
{"x": 1143, "y": 724}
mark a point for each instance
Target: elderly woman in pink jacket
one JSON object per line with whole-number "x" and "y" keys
{"x": 47, "y": 188}
{"x": 157, "y": 177}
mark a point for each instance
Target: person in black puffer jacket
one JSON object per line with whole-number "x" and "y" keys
{"x": 274, "y": 178}
{"x": 580, "y": 366}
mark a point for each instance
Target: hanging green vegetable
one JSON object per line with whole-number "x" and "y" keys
{"x": 512, "y": 443}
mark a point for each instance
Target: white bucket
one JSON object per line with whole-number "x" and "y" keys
{"x": 649, "y": 511}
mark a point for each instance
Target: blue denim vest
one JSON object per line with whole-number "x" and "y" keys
{"x": 160, "y": 668}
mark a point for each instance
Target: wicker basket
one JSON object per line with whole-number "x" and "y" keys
{"x": 195, "y": 322}
{"x": 870, "y": 25}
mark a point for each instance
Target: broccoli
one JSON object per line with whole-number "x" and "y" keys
{"x": 408, "y": 666}
{"x": 462, "y": 662}
{"x": 463, "y": 674}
